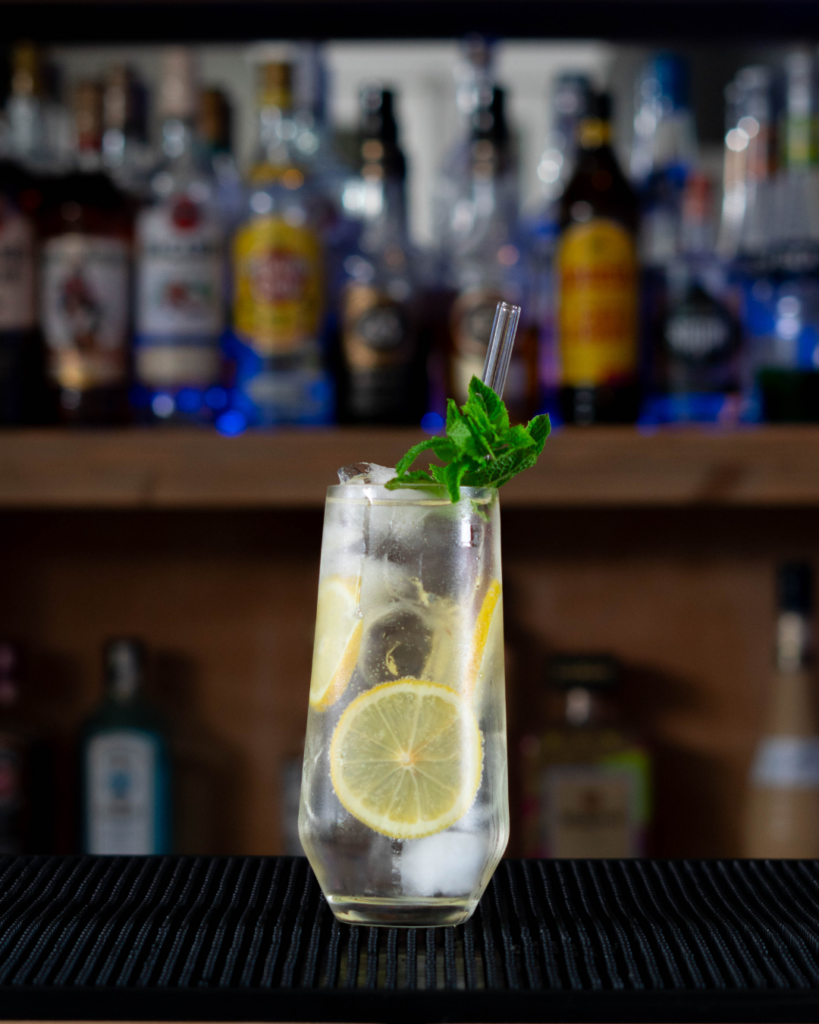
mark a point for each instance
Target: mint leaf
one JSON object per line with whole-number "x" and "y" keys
{"x": 480, "y": 449}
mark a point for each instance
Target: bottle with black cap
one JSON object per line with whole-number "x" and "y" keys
{"x": 586, "y": 779}
{"x": 125, "y": 766}
{"x": 382, "y": 373}
{"x": 782, "y": 814}
{"x": 597, "y": 281}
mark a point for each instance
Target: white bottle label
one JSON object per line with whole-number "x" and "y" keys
{"x": 787, "y": 762}
{"x": 85, "y": 309}
{"x": 16, "y": 273}
{"x": 121, "y": 798}
{"x": 179, "y": 314}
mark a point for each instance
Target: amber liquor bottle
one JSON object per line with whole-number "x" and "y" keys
{"x": 597, "y": 282}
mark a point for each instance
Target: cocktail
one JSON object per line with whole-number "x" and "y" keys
{"x": 404, "y": 810}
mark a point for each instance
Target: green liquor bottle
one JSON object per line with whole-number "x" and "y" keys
{"x": 125, "y": 763}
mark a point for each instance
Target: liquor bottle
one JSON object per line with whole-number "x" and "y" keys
{"x": 782, "y": 814}
{"x": 597, "y": 282}
{"x": 21, "y": 355}
{"x": 785, "y": 361}
{"x": 126, "y": 151}
{"x": 179, "y": 266}
{"x": 695, "y": 357}
{"x": 586, "y": 779}
{"x": 125, "y": 764}
{"x": 382, "y": 378}
{"x": 84, "y": 280}
{"x": 484, "y": 255}
{"x": 29, "y": 140}
{"x": 279, "y": 294}
{"x": 215, "y": 137}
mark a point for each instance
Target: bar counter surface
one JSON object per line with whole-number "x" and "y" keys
{"x": 252, "y": 939}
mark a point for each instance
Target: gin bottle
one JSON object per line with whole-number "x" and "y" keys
{"x": 125, "y": 765}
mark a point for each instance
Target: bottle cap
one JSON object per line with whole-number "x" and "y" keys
{"x": 27, "y": 70}
{"x": 88, "y": 122}
{"x": 214, "y": 122}
{"x": 589, "y": 671}
{"x": 178, "y": 91}
{"x": 795, "y": 587}
{"x": 378, "y": 114}
{"x": 125, "y": 106}
{"x": 124, "y": 665}
{"x": 276, "y": 85}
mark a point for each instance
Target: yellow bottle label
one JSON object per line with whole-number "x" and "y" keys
{"x": 597, "y": 279}
{"x": 278, "y": 285}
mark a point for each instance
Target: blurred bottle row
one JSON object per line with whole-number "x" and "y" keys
{"x": 154, "y": 280}
{"x": 585, "y": 778}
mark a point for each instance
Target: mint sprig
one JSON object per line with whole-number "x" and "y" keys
{"x": 480, "y": 449}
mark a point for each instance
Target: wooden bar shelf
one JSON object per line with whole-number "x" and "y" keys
{"x": 602, "y": 467}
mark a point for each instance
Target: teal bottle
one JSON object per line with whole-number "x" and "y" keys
{"x": 125, "y": 771}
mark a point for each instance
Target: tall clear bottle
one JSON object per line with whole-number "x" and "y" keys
{"x": 782, "y": 813}
{"x": 85, "y": 285}
{"x": 484, "y": 256}
{"x": 179, "y": 266}
{"x": 280, "y": 287}
{"x": 382, "y": 374}
{"x": 125, "y": 763}
{"x": 597, "y": 282}
{"x": 126, "y": 151}
{"x": 571, "y": 92}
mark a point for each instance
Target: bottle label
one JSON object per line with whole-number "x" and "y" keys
{"x": 179, "y": 312}
{"x": 278, "y": 286}
{"x": 17, "y": 311}
{"x": 787, "y": 762}
{"x": 597, "y": 273}
{"x": 121, "y": 798}
{"x": 696, "y": 337}
{"x": 378, "y": 347}
{"x": 595, "y": 810}
{"x": 85, "y": 310}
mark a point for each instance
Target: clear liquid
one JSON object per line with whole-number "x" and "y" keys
{"x": 424, "y": 570}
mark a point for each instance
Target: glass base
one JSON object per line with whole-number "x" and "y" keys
{"x": 402, "y": 911}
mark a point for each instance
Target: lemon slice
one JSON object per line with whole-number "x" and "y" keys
{"x": 486, "y": 640}
{"x": 338, "y": 639}
{"x": 406, "y": 758}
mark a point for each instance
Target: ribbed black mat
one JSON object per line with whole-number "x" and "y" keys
{"x": 242, "y": 938}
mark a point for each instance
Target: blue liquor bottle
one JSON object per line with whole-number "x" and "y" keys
{"x": 125, "y": 769}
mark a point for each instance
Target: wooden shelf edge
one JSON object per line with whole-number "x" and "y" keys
{"x": 601, "y": 467}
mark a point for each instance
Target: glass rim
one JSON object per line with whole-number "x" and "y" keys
{"x": 377, "y": 494}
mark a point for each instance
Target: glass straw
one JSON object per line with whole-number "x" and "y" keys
{"x": 499, "y": 351}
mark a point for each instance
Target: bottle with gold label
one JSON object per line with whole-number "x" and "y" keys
{"x": 382, "y": 374}
{"x": 782, "y": 812}
{"x": 279, "y": 274}
{"x": 597, "y": 282}
{"x": 586, "y": 779}
{"x": 484, "y": 255}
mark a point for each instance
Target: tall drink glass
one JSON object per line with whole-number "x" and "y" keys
{"x": 404, "y": 808}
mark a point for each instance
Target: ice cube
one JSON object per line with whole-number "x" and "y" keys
{"x": 446, "y": 864}
{"x": 365, "y": 473}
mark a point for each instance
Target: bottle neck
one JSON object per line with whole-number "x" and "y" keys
{"x": 584, "y": 708}
{"x": 277, "y": 132}
{"x": 594, "y": 133}
{"x": 178, "y": 136}
{"x": 794, "y": 642}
